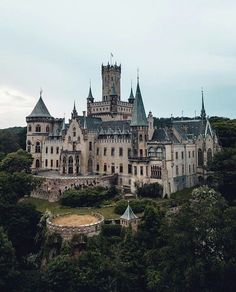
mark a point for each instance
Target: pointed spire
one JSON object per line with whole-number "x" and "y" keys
{"x": 138, "y": 115}
{"x": 131, "y": 96}
{"x": 203, "y": 112}
{"x": 90, "y": 95}
{"x": 74, "y": 113}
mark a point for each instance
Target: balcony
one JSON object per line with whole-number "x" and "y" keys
{"x": 139, "y": 159}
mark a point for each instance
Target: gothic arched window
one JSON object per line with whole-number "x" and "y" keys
{"x": 200, "y": 157}
{"x": 38, "y": 128}
{"x": 151, "y": 152}
{"x": 74, "y": 132}
{"x": 37, "y": 147}
{"x": 159, "y": 153}
{"x": 29, "y": 146}
{"x": 70, "y": 165}
{"x": 209, "y": 155}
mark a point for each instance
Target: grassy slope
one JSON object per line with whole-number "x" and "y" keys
{"x": 56, "y": 208}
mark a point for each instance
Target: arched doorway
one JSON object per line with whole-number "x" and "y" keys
{"x": 37, "y": 163}
{"x": 70, "y": 165}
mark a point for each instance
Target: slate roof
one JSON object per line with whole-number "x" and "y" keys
{"x": 138, "y": 115}
{"x": 128, "y": 214}
{"x": 190, "y": 128}
{"x": 164, "y": 135}
{"x": 114, "y": 127}
{"x": 92, "y": 123}
{"x": 40, "y": 110}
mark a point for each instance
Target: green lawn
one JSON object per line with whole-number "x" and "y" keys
{"x": 56, "y": 208}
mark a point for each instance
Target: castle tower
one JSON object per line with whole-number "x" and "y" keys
{"x": 139, "y": 126}
{"x": 110, "y": 75}
{"x": 39, "y": 125}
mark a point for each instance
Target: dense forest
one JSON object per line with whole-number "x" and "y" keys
{"x": 186, "y": 244}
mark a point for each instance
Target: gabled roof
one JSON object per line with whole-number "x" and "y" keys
{"x": 40, "y": 110}
{"x": 138, "y": 115}
{"x": 128, "y": 214}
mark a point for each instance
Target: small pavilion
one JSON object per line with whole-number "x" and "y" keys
{"x": 129, "y": 219}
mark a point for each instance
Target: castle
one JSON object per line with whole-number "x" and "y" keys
{"x": 117, "y": 137}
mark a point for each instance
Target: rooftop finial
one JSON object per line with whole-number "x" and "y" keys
{"x": 137, "y": 75}
{"x": 41, "y": 92}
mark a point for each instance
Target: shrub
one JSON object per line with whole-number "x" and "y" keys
{"x": 111, "y": 230}
{"x": 87, "y": 197}
{"x": 154, "y": 190}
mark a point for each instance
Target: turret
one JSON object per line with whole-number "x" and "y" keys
{"x": 150, "y": 125}
{"x": 74, "y": 113}
{"x": 139, "y": 126}
{"x": 131, "y": 96}
{"x": 39, "y": 125}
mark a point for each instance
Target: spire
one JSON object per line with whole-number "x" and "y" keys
{"x": 90, "y": 95}
{"x": 40, "y": 110}
{"x": 203, "y": 112}
{"x": 138, "y": 115}
{"x": 74, "y": 113}
{"x": 131, "y": 96}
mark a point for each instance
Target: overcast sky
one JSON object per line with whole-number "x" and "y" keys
{"x": 179, "y": 46}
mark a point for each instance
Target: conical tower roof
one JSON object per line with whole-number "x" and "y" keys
{"x": 90, "y": 95}
{"x": 128, "y": 214}
{"x": 138, "y": 115}
{"x": 131, "y": 96}
{"x": 40, "y": 110}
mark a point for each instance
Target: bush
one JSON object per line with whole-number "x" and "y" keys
{"x": 87, "y": 197}
{"x": 111, "y": 230}
{"x": 150, "y": 190}
{"x": 137, "y": 206}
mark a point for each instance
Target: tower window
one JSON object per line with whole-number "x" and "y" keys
{"x": 57, "y": 150}
{"x": 38, "y": 129}
{"x": 37, "y": 147}
{"x": 47, "y": 129}
{"x": 90, "y": 146}
{"x": 105, "y": 151}
{"x": 112, "y": 151}
{"x": 30, "y": 128}
{"x": 74, "y": 132}
{"x": 121, "y": 168}
{"x": 120, "y": 151}
{"x": 52, "y": 150}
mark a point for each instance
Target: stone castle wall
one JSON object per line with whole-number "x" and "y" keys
{"x": 67, "y": 232}
{"x": 53, "y": 187}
